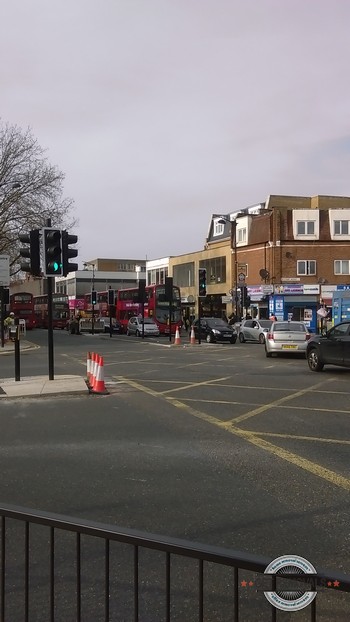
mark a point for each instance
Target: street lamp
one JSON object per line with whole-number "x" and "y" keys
{"x": 233, "y": 236}
{"x": 92, "y": 265}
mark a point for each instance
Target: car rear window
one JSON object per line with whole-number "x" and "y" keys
{"x": 295, "y": 327}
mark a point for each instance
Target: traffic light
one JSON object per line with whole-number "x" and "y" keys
{"x": 245, "y": 298}
{"x": 32, "y": 252}
{"x": 52, "y": 251}
{"x": 68, "y": 253}
{"x": 111, "y": 297}
{"x": 142, "y": 291}
{"x": 169, "y": 288}
{"x": 202, "y": 282}
{"x": 94, "y": 297}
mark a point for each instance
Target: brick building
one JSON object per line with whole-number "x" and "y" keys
{"x": 291, "y": 252}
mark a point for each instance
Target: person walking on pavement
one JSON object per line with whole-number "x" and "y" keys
{"x": 10, "y": 325}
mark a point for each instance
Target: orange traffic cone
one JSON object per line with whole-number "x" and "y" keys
{"x": 99, "y": 384}
{"x": 193, "y": 337}
{"x": 88, "y": 368}
{"x": 94, "y": 362}
{"x": 177, "y": 341}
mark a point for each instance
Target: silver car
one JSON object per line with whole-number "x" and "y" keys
{"x": 286, "y": 337}
{"x": 254, "y": 330}
{"x": 135, "y": 327}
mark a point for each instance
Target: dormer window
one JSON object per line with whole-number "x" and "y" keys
{"x": 305, "y": 227}
{"x": 218, "y": 227}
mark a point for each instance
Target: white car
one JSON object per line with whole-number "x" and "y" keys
{"x": 150, "y": 328}
{"x": 254, "y": 330}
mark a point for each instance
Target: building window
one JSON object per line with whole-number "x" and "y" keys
{"x": 305, "y": 227}
{"x": 216, "y": 269}
{"x": 341, "y": 266}
{"x": 341, "y": 227}
{"x": 241, "y": 236}
{"x": 306, "y": 267}
{"x": 218, "y": 227}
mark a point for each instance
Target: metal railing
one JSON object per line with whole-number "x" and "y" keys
{"x": 54, "y": 567}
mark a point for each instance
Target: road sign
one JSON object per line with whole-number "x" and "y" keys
{"x": 4, "y": 270}
{"x": 241, "y": 277}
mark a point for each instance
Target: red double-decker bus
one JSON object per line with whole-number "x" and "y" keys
{"x": 22, "y": 305}
{"x": 156, "y": 307}
{"x": 100, "y": 308}
{"x": 60, "y": 311}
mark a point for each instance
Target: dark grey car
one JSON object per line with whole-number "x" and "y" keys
{"x": 330, "y": 349}
{"x": 215, "y": 329}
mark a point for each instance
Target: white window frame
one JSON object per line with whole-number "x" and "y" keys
{"x": 339, "y": 270}
{"x": 218, "y": 228}
{"x": 343, "y": 224}
{"x": 306, "y": 224}
{"x": 242, "y": 235}
{"x": 310, "y": 267}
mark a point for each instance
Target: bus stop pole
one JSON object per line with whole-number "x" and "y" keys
{"x": 2, "y": 310}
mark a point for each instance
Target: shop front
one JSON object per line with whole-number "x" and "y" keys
{"x": 296, "y": 302}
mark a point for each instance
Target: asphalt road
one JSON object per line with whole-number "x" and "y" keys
{"x": 211, "y": 443}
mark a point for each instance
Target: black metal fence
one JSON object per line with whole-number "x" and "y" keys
{"x": 57, "y": 568}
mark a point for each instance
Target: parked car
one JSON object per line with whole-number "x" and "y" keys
{"x": 135, "y": 327}
{"x": 215, "y": 329}
{"x": 333, "y": 348}
{"x": 254, "y": 330}
{"x": 286, "y": 336}
{"x": 116, "y": 326}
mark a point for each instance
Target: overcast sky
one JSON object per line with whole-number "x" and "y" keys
{"x": 162, "y": 112}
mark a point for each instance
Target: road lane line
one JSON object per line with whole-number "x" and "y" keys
{"x": 193, "y": 385}
{"x": 287, "y": 456}
{"x": 275, "y": 403}
{"x": 252, "y": 438}
{"x": 296, "y": 437}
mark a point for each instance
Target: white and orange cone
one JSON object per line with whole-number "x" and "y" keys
{"x": 177, "y": 341}
{"x": 88, "y": 368}
{"x": 193, "y": 337}
{"x": 99, "y": 384}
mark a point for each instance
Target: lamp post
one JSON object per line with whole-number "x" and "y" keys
{"x": 92, "y": 265}
{"x": 233, "y": 245}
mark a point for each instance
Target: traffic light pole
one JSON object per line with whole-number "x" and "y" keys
{"x": 50, "y": 327}
{"x": 199, "y": 319}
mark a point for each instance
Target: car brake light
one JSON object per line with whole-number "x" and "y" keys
{"x": 307, "y": 336}
{"x": 270, "y": 336}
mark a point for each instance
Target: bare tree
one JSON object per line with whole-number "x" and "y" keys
{"x": 31, "y": 190}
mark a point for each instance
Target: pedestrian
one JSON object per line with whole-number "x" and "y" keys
{"x": 10, "y": 325}
{"x": 273, "y": 318}
{"x": 187, "y": 324}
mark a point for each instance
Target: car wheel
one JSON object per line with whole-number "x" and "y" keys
{"x": 313, "y": 360}
{"x": 209, "y": 338}
{"x": 261, "y": 338}
{"x": 137, "y": 333}
{"x": 233, "y": 340}
{"x": 241, "y": 338}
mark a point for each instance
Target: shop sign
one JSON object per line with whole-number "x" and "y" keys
{"x": 226, "y": 299}
{"x": 288, "y": 289}
{"x": 311, "y": 289}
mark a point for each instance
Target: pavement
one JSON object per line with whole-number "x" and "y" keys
{"x": 33, "y": 386}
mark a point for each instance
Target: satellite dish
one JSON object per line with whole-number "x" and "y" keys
{"x": 322, "y": 281}
{"x": 264, "y": 273}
